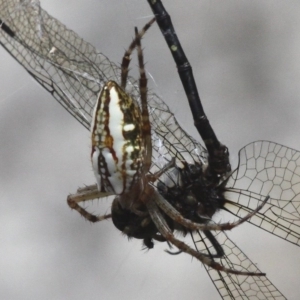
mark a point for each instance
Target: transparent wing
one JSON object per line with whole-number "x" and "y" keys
{"x": 266, "y": 168}
{"x": 66, "y": 66}
{"x": 232, "y": 286}
{"x": 73, "y": 71}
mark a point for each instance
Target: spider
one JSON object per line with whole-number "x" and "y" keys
{"x": 121, "y": 159}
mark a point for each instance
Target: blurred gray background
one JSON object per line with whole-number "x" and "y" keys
{"x": 246, "y": 60}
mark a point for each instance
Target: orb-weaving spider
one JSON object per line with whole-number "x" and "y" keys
{"x": 121, "y": 158}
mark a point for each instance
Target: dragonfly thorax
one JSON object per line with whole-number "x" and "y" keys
{"x": 191, "y": 195}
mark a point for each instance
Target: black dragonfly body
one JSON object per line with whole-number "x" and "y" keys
{"x": 161, "y": 186}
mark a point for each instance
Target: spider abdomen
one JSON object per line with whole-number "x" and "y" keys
{"x": 117, "y": 144}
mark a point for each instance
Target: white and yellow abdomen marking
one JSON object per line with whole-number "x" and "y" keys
{"x": 117, "y": 144}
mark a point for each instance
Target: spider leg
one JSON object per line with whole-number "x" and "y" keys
{"x": 156, "y": 175}
{"x": 84, "y": 194}
{"x": 164, "y": 229}
{"x": 178, "y": 218}
{"x": 126, "y": 58}
{"x": 146, "y": 128}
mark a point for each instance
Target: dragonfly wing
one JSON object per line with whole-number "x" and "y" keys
{"x": 266, "y": 168}
{"x": 73, "y": 71}
{"x": 231, "y": 286}
{"x": 63, "y": 63}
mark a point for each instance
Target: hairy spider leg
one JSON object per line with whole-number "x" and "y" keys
{"x": 167, "y": 233}
{"x": 178, "y": 218}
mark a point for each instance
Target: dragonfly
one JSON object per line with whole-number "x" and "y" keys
{"x": 254, "y": 160}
